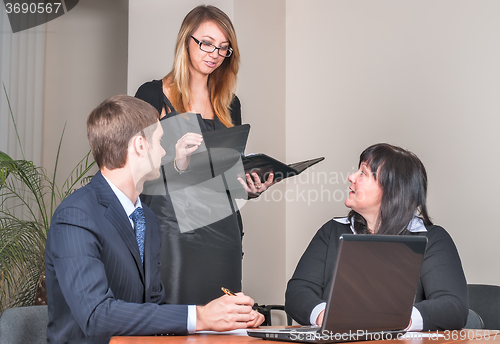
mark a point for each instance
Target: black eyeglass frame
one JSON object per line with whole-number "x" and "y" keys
{"x": 229, "y": 49}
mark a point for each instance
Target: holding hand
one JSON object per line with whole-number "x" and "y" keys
{"x": 259, "y": 319}
{"x": 227, "y": 313}
{"x": 254, "y": 185}
{"x": 186, "y": 145}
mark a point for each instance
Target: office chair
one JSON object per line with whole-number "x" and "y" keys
{"x": 21, "y": 325}
{"x": 485, "y": 301}
{"x": 474, "y": 321}
{"x": 266, "y": 311}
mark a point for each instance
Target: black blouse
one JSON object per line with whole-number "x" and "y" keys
{"x": 198, "y": 256}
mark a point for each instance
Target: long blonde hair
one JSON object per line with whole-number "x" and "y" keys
{"x": 222, "y": 82}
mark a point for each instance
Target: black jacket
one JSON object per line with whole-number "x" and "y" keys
{"x": 442, "y": 297}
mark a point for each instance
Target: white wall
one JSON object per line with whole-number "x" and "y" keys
{"x": 85, "y": 63}
{"x": 420, "y": 74}
{"x": 262, "y": 84}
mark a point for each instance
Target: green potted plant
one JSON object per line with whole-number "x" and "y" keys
{"x": 28, "y": 198}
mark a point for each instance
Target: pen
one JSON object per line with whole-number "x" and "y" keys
{"x": 227, "y": 291}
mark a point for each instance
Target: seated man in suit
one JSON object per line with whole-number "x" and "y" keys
{"x": 101, "y": 257}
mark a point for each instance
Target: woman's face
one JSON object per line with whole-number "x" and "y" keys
{"x": 202, "y": 62}
{"x": 365, "y": 196}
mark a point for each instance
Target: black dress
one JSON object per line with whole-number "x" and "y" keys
{"x": 200, "y": 222}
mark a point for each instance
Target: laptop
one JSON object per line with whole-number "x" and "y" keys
{"x": 371, "y": 296}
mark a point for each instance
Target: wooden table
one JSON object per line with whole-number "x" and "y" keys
{"x": 461, "y": 337}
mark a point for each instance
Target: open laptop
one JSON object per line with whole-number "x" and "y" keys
{"x": 372, "y": 292}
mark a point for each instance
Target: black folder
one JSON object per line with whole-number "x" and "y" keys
{"x": 226, "y": 146}
{"x": 263, "y": 165}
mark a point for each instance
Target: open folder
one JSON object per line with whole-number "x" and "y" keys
{"x": 226, "y": 146}
{"x": 263, "y": 165}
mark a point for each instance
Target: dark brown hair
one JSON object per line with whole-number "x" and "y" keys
{"x": 403, "y": 180}
{"x": 112, "y": 125}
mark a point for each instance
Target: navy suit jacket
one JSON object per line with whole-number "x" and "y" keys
{"x": 97, "y": 286}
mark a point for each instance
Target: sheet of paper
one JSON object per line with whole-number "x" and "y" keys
{"x": 238, "y": 332}
{"x": 416, "y": 335}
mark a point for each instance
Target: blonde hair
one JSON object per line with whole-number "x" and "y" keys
{"x": 222, "y": 82}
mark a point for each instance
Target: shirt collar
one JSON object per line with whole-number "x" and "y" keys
{"x": 416, "y": 224}
{"x": 126, "y": 203}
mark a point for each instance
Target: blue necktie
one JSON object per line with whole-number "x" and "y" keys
{"x": 140, "y": 229}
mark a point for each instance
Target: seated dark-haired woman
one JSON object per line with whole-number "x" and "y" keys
{"x": 388, "y": 196}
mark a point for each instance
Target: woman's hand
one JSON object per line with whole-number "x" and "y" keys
{"x": 259, "y": 319}
{"x": 319, "y": 319}
{"x": 186, "y": 145}
{"x": 253, "y": 185}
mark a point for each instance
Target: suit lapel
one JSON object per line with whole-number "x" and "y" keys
{"x": 118, "y": 218}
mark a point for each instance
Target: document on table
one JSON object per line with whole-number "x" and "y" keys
{"x": 238, "y": 332}
{"x": 417, "y": 335}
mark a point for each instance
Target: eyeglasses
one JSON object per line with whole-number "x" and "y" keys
{"x": 210, "y": 48}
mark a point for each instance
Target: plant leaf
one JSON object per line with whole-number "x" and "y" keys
{"x": 27, "y": 198}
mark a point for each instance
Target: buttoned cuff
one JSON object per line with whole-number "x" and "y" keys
{"x": 315, "y": 312}
{"x": 417, "y": 322}
{"x": 191, "y": 320}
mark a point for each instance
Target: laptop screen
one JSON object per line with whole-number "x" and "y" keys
{"x": 374, "y": 282}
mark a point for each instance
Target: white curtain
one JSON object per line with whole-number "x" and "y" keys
{"x": 21, "y": 71}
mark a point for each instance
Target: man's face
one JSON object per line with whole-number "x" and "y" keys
{"x": 155, "y": 153}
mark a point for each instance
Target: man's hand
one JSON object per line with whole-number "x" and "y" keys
{"x": 227, "y": 313}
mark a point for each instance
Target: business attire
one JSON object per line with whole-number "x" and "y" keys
{"x": 97, "y": 284}
{"x": 441, "y": 301}
{"x": 201, "y": 227}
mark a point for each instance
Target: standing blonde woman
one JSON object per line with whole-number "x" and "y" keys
{"x": 197, "y": 262}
